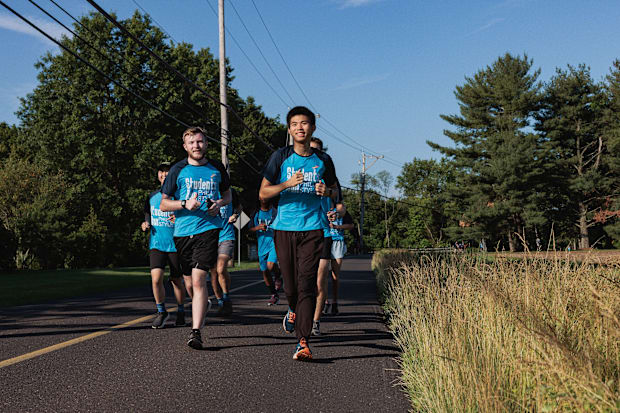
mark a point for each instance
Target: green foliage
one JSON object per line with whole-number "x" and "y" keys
{"x": 105, "y": 143}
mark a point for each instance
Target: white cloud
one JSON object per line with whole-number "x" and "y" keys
{"x": 16, "y": 24}
{"x": 487, "y": 26}
{"x": 362, "y": 81}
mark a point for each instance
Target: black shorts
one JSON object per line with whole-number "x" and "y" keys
{"x": 326, "y": 254}
{"x": 158, "y": 259}
{"x": 198, "y": 251}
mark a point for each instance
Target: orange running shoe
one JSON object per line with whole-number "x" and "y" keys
{"x": 302, "y": 352}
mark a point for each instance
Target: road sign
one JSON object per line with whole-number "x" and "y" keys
{"x": 242, "y": 221}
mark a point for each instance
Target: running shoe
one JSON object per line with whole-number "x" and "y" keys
{"x": 316, "y": 328}
{"x": 326, "y": 308}
{"x": 273, "y": 300}
{"x": 278, "y": 283}
{"x": 302, "y": 351}
{"x": 160, "y": 319}
{"x": 180, "y": 321}
{"x": 288, "y": 323}
{"x": 227, "y": 308}
{"x": 335, "y": 308}
{"x": 195, "y": 340}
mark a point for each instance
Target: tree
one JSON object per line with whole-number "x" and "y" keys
{"x": 497, "y": 160}
{"x": 106, "y": 142}
{"x": 424, "y": 184}
{"x": 571, "y": 123}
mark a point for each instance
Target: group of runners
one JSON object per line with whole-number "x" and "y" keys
{"x": 299, "y": 224}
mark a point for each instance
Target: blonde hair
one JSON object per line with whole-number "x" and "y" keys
{"x": 194, "y": 130}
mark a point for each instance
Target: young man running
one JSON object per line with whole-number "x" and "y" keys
{"x": 339, "y": 249}
{"x": 220, "y": 278}
{"x": 301, "y": 176}
{"x": 161, "y": 252}
{"x": 200, "y": 187}
{"x": 326, "y": 208}
{"x": 267, "y": 257}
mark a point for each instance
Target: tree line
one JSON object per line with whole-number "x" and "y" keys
{"x": 530, "y": 159}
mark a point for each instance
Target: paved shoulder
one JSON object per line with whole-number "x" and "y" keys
{"x": 247, "y": 365}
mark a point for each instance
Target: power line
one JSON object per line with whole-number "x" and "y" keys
{"x": 75, "y": 55}
{"x": 282, "y": 57}
{"x": 250, "y": 60}
{"x": 118, "y": 66}
{"x": 389, "y": 198}
{"x": 261, "y": 52}
{"x": 156, "y": 22}
{"x": 175, "y": 71}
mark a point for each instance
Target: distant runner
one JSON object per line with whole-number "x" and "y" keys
{"x": 161, "y": 252}
{"x": 339, "y": 250}
{"x": 267, "y": 257}
{"x": 220, "y": 278}
{"x": 196, "y": 188}
{"x": 301, "y": 176}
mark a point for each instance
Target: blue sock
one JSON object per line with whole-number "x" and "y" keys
{"x": 161, "y": 307}
{"x": 225, "y": 297}
{"x": 220, "y": 302}
{"x": 180, "y": 308}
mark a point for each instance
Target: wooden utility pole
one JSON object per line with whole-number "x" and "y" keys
{"x": 363, "y": 187}
{"x": 223, "y": 100}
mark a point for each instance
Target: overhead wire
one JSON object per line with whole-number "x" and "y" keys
{"x": 250, "y": 60}
{"x": 118, "y": 66}
{"x": 176, "y": 71}
{"x": 308, "y": 100}
{"x": 153, "y": 18}
{"x": 261, "y": 52}
{"x": 79, "y": 58}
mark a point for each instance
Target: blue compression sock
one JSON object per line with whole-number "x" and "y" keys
{"x": 225, "y": 297}
{"x": 220, "y": 302}
{"x": 180, "y": 308}
{"x": 161, "y": 307}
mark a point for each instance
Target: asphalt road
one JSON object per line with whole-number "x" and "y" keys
{"x": 247, "y": 365}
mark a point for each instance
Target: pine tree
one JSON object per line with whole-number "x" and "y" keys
{"x": 499, "y": 174}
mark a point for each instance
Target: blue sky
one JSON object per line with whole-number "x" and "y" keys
{"x": 380, "y": 71}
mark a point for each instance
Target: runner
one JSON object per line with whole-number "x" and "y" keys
{"x": 301, "y": 176}
{"x": 162, "y": 251}
{"x": 339, "y": 249}
{"x": 267, "y": 257}
{"x": 326, "y": 208}
{"x": 220, "y": 278}
{"x": 200, "y": 187}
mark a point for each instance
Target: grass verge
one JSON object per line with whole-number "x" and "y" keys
{"x": 509, "y": 335}
{"x": 33, "y": 287}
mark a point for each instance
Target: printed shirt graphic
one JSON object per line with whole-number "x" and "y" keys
{"x": 208, "y": 181}
{"x": 299, "y": 208}
{"x": 162, "y": 228}
{"x": 228, "y": 230}
{"x": 338, "y": 234}
{"x": 265, "y": 238}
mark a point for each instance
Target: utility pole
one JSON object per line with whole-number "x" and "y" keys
{"x": 363, "y": 185}
{"x": 223, "y": 104}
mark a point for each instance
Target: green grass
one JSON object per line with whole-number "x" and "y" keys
{"x": 33, "y": 287}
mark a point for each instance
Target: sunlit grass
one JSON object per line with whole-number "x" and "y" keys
{"x": 506, "y": 335}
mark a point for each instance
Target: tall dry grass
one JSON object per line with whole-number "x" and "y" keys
{"x": 508, "y": 335}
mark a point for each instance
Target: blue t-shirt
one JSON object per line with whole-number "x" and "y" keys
{"x": 209, "y": 181}
{"x": 338, "y": 234}
{"x": 299, "y": 208}
{"x": 228, "y": 230}
{"x": 162, "y": 228}
{"x": 265, "y": 238}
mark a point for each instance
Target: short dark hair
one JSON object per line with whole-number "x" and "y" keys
{"x": 164, "y": 167}
{"x": 318, "y": 141}
{"x": 300, "y": 110}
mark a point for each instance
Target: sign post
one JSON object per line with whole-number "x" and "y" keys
{"x": 241, "y": 222}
